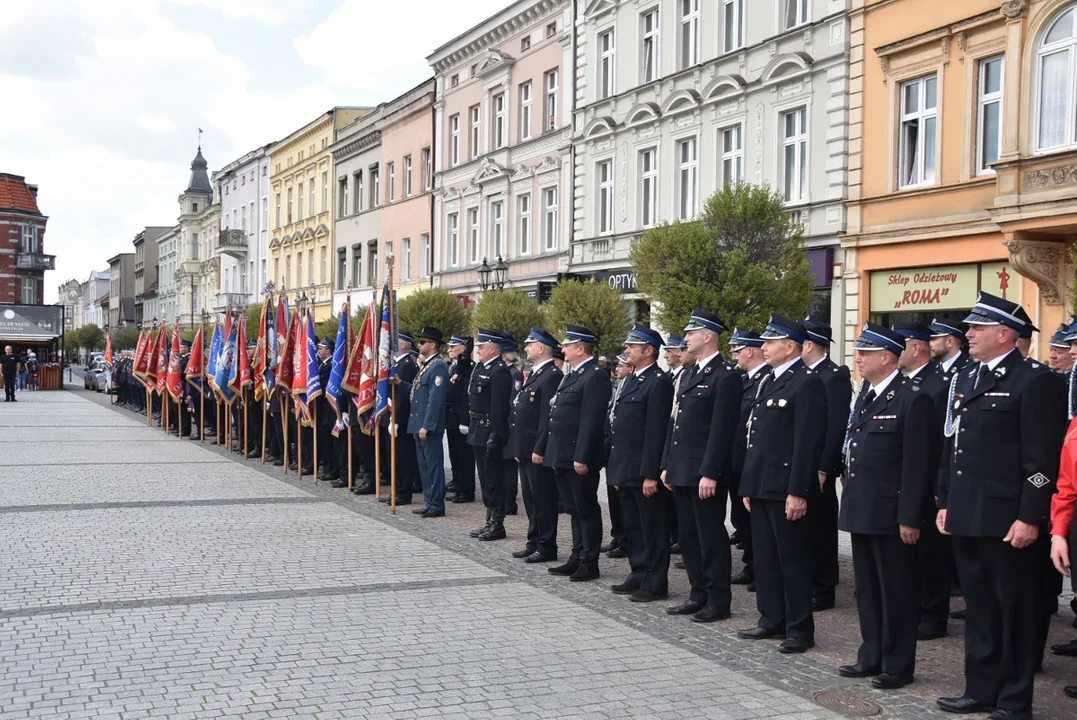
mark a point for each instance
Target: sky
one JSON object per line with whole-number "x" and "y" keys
{"x": 104, "y": 99}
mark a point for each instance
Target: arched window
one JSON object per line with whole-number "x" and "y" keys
{"x": 1056, "y": 60}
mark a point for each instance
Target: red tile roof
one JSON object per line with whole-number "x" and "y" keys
{"x": 103, "y": 300}
{"x": 15, "y": 195}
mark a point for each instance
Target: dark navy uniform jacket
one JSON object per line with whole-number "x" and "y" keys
{"x": 456, "y": 410}
{"x": 839, "y": 396}
{"x": 786, "y": 432}
{"x": 701, "y": 435}
{"x": 640, "y": 419}
{"x": 427, "y": 396}
{"x": 489, "y": 401}
{"x": 406, "y": 369}
{"x": 1001, "y": 464}
{"x": 530, "y": 419}
{"x": 889, "y": 478}
{"x": 577, "y": 418}
{"x": 749, "y": 386}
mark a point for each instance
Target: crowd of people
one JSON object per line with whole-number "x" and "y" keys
{"x": 957, "y": 473}
{"x": 20, "y": 372}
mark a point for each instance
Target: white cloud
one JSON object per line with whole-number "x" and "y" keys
{"x": 271, "y": 12}
{"x": 155, "y": 123}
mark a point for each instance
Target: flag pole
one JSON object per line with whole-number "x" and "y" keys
{"x": 265, "y": 386}
{"x": 246, "y": 427}
{"x": 149, "y": 405}
{"x": 284, "y": 429}
{"x": 314, "y": 424}
{"x": 202, "y": 388}
{"x": 299, "y": 445}
{"x": 392, "y": 395}
{"x": 350, "y": 475}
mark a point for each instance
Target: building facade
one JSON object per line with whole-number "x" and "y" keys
{"x": 242, "y": 247}
{"x": 95, "y": 288}
{"x": 146, "y": 268}
{"x": 301, "y": 186}
{"x": 503, "y": 149}
{"x": 121, "y": 290}
{"x": 68, "y": 295}
{"x": 186, "y": 250}
{"x": 963, "y": 139}
{"x": 168, "y": 267}
{"x": 23, "y": 261}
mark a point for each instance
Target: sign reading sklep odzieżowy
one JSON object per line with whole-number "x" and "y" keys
{"x": 943, "y": 287}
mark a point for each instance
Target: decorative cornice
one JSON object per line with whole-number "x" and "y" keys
{"x": 1013, "y": 9}
{"x": 1041, "y": 262}
{"x": 497, "y": 35}
{"x": 357, "y": 146}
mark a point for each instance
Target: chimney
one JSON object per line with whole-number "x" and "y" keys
{"x": 33, "y": 190}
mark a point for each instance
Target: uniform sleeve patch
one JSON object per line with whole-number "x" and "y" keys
{"x": 437, "y": 380}
{"x": 1039, "y": 480}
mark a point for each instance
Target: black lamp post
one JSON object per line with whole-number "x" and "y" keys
{"x": 501, "y": 273}
{"x": 484, "y": 275}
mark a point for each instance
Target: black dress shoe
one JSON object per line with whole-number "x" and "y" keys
{"x": 606, "y": 548}
{"x": 958, "y": 614}
{"x": 751, "y": 586}
{"x": 624, "y": 589}
{"x": 1066, "y": 649}
{"x": 857, "y": 671}
{"x": 710, "y": 613}
{"x": 963, "y": 705}
{"x": 567, "y": 569}
{"x": 1070, "y": 691}
{"x": 451, "y": 488}
{"x": 586, "y": 571}
{"x": 458, "y": 498}
{"x": 308, "y": 471}
{"x": 675, "y": 549}
{"x": 645, "y": 596}
{"x": 734, "y": 538}
{"x": 758, "y": 633}
{"x": 741, "y": 578}
{"x": 339, "y": 483}
{"x": 384, "y": 499}
{"x": 685, "y": 608}
{"x": 616, "y": 553}
{"x": 433, "y": 514}
{"x": 679, "y": 564}
{"x": 1010, "y": 715}
{"x": 796, "y": 645}
{"x": 526, "y": 552}
{"x": 494, "y": 532}
{"x": 540, "y": 558}
{"x": 419, "y": 510}
{"x": 403, "y": 501}
{"x": 820, "y": 604}
{"x": 890, "y": 681}
{"x": 929, "y": 633}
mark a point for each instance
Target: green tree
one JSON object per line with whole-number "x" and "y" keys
{"x": 508, "y": 311}
{"x": 594, "y": 305}
{"x": 433, "y": 307}
{"x": 124, "y": 338}
{"x": 743, "y": 259}
{"x": 91, "y": 337}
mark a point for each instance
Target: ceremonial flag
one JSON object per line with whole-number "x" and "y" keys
{"x": 334, "y": 391}
{"x": 150, "y": 373}
{"x": 225, "y": 363}
{"x": 285, "y": 363}
{"x": 300, "y": 368}
{"x": 239, "y": 376}
{"x": 386, "y": 370}
{"x": 138, "y": 367}
{"x": 108, "y": 349}
{"x": 162, "y": 360}
{"x": 258, "y": 362}
{"x": 269, "y": 354}
{"x": 174, "y": 380}
{"x": 215, "y": 346}
{"x": 360, "y": 378}
{"x": 314, "y": 378}
{"x": 197, "y": 359}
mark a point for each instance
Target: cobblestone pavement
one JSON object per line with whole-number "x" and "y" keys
{"x": 145, "y": 576}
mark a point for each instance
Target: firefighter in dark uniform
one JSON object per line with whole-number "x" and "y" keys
{"x": 1004, "y": 428}
{"x": 405, "y": 369}
{"x": 1062, "y": 363}
{"x": 618, "y": 545}
{"x": 528, "y": 433}
{"x": 639, "y": 422}
{"x": 426, "y": 421}
{"x": 184, "y": 415}
{"x": 575, "y": 449}
{"x": 946, "y": 339}
{"x": 823, "y": 513}
{"x": 887, "y": 494}
{"x": 786, "y": 433}
{"x": 327, "y": 416}
{"x": 674, "y": 354}
{"x": 489, "y": 403}
{"x": 697, "y": 467}
{"x": 746, "y": 348}
{"x": 510, "y": 469}
{"x": 457, "y": 418}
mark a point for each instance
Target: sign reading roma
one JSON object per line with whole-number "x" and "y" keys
{"x": 948, "y": 287}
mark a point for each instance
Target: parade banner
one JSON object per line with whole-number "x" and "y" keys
{"x": 299, "y": 369}
{"x": 150, "y": 374}
{"x": 239, "y": 376}
{"x": 258, "y": 364}
{"x": 334, "y": 391}
{"x": 314, "y": 379}
{"x": 197, "y": 360}
{"x": 285, "y": 364}
{"x": 174, "y": 380}
{"x": 162, "y": 361}
{"x": 141, "y": 361}
{"x": 361, "y": 376}
{"x": 214, "y": 354}
{"x": 225, "y": 363}
{"x": 108, "y": 349}
{"x": 386, "y": 370}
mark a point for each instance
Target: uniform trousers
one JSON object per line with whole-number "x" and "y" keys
{"x": 462, "y": 462}
{"x": 491, "y": 480}
{"x": 407, "y": 466}
{"x": 540, "y": 502}
{"x": 823, "y": 518}
{"x": 783, "y": 570}
{"x": 617, "y": 525}
{"x": 671, "y": 517}
{"x": 648, "y": 533}
{"x": 886, "y": 602}
{"x": 327, "y": 451}
{"x": 1001, "y": 641}
{"x": 431, "y": 458}
{"x": 579, "y": 495}
{"x": 1049, "y": 587}
{"x": 935, "y": 572}
{"x": 742, "y": 523}
{"x": 274, "y": 438}
{"x": 704, "y": 545}
{"x": 510, "y": 472}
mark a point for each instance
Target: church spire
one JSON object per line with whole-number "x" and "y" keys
{"x": 199, "y": 182}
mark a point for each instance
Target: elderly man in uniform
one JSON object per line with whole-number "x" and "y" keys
{"x": 510, "y": 469}
{"x": 575, "y": 449}
{"x": 786, "y": 433}
{"x": 746, "y": 349}
{"x": 327, "y": 417}
{"x": 638, "y": 423}
{"x": 528, "y": 433}
{"x": 619, "y": 543}
{"x": 697, "y": 467}
{"x": 426, "y": 420}
{"x": 1004, "y": 426}
{"x": 405, "y": 369}
{"x": 461, "y": 457}
{"x": 489, "y": 400}
{"x": 886, "y": 496}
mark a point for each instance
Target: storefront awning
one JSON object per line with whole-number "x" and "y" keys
{"x": 28, "y": 323}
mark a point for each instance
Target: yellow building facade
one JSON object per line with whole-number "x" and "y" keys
{"x": 301, "y": 209}
{"x": 962, "y": 159}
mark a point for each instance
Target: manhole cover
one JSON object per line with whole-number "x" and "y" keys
{"x": 846, "y": 704}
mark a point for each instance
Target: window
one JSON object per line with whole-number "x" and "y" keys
{"x": 473, "y": 113}
{"x": 357, "y": 180}
{"x": 795, "y": 155}
{"x": 424, "y": 254}
{"x": 688, "y": 37}
{"x": 523, "y": 223}
{"x": 407, "y": 176}
{"x": 454, "y": 80}
{"x": 388, "y": 254}
{"x": 1056, "y": 61}
{"x": 687, "y": 176}
{"x": 499, "y": 121}
{"x": 310, "y": 267}
{"x": 427, "y": 170}
{"x": 250, "y": 208}
{"x": 525, "y": 111}
{"x": 372, "y": 264}
{"x": 391, "y": 172}
{"x": 473, "y": 70}
{"x": 525, "y": 44}
{"x": 29, "y": 239}
{"x": 405, "y": 259}
{"x": 342, "y": 267}
{"x": 310, "y": 184}
{"x": 649, "y": 52}
{"x": 918, "y": 124}
{"x": 29, "y": 291}
{"x": 607, "y": 49}
{"x": 648, "y": 190}
{"x": 732, "y": 25}
{"x": 276, "y": 272}
{"x": 473, "y": 235}
{"x": 989, "y": 118}
{"x": 497, "y": 228}
{"x": 323, "y": 278}
{"x": 325, "y": 193}
{"x": 299, "y": 269}
{"x": 342, "y": 196}
{"x": 731, "y": 141}
{"x": 289, "y": 206}
{"x": 454, "y": 239}
{"x": 454, "y": 140}
{"x": 551, "y": 29}
{"x": 375, "y": 187}
{"x": 549, "y": 217}
{"x": 794, "y": 12}
{"x": 604, "y": 174}
{"x": 300, "y": 206}
{"x": 357, "y": 262}
{"x": 551, "y": 101}
{"x": 278, "y": 211}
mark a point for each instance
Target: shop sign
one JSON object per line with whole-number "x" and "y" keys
{"x": 30, "y": 322}
{"x": 623, "y": 281}
{"x": 999, "y": 279}
{"x": 945, "y": 287}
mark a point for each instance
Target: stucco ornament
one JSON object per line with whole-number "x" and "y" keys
{"x": 1014, "y": 9}
{"x": 1041, "y": 262}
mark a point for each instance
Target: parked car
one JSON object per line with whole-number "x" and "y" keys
{"x": 91, "y": 375}
{"x": 104, "y": 380}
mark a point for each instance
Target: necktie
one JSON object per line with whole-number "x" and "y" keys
{"x": 981, "y": 375}
{"x": 868, "y": 397}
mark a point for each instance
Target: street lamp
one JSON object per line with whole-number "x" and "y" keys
{"x": 501, "y": 273}
{"x": 484, "y": 275}
{"x": 154, "y": 323}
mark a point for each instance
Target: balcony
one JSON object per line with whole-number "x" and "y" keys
{"x": 233, "y": 243}
{"x": 35, "y": 261}
{"x": 231, "y": 300}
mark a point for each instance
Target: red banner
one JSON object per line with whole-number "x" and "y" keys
{"x": 151, "y": 359}
{"x": 197, "y": 360}
{"x": 243, "y": 359}
{"x": 162, "y": 360}
{"x": 174, "y": 379}
{"x": 258, "y": 368}
{"x": 108, "y": 348}
{"x": 285, "y": 368}
{"x": 138, "y": 367}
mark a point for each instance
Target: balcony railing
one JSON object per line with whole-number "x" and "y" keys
{"x": 233, "y": 239}
{"x": 231, "y": 300}
{"x": 35, "y": 261}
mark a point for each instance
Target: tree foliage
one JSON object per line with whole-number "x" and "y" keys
{"x": 90, "y": 337}
{"x": 124, "y": 338}
{"x": 594, "y": 305}
{"x": 508, "y": 310}
{"x": 743, "y": 260}
{"x": 433, "y": 307}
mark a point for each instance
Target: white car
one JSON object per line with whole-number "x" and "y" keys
{"x": 91, "y": 375}
{"x": 104, "y": 379}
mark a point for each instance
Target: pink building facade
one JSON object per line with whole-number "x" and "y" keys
{"x": 503, "y": 149}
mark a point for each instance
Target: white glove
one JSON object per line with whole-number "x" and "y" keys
{"x": 392, "y": 429}
{"x": 463, "y": 429}
{"x": 346, "y": 419}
